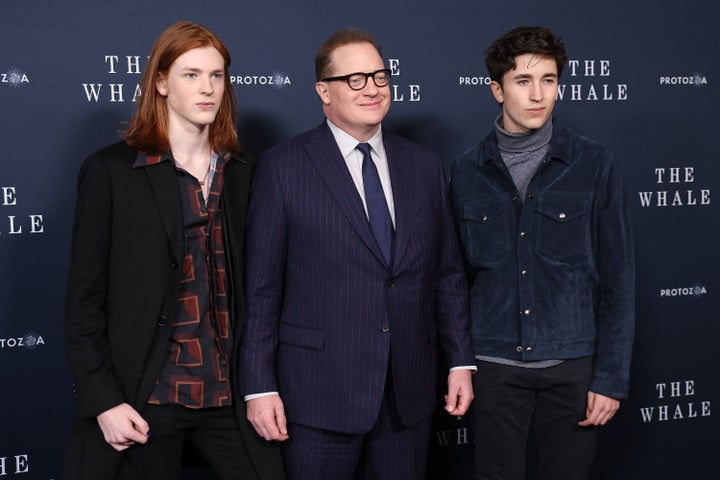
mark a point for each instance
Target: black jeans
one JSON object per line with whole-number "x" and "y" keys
{"x": 511, "y": 402}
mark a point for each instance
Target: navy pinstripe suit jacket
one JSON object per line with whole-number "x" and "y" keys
{"x": 325, "y": 312}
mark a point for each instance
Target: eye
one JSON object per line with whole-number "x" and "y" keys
{"x": 217, "y": 75}
{"x": 191, "y": 74}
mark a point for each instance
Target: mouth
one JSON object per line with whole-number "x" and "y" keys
{"x": 370, "y": 104}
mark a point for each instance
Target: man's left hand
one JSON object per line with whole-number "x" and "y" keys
{"x": 600, "y": 409}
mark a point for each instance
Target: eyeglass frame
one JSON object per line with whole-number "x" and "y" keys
{"x": 387, "y": 71}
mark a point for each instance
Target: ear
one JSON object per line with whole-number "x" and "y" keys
{"x": 497, "y": 91}
{"x": 322, "y": 90}
{"x": 161, "y": 85}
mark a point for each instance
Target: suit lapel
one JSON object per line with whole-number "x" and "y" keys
{"x": 163, "y": 179}
{"x": 330, "y": 165}
{"x": 403, "y": 187}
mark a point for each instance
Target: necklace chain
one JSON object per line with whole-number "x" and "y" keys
{"x": 205, "y": 177}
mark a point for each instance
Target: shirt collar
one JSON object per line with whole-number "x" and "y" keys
{"x": 145, "y": 160}
{"x": 347, "y": 143}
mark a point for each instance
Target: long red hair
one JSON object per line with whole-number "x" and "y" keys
{"x": 148, "y": 129}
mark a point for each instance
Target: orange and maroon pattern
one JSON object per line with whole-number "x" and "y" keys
{"x": 196, "y": 374}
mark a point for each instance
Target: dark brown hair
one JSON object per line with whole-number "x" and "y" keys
{"x": 347, "y": 36}
{"x": 500, "y": 57}
{"x": 148, "y": 129}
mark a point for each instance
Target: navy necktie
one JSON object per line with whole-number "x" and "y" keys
{"x": 377, "y": 206}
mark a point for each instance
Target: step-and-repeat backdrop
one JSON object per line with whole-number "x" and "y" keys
{"x": 641, "y": 79}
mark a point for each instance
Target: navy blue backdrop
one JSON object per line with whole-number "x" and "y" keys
{"x": 640, "y": 80}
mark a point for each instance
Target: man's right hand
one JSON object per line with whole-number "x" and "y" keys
{"x": 123, "y": 427}
{"x": 267, "y": 415}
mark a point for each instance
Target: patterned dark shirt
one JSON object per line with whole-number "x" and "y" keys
{"x": 196, "y": 374}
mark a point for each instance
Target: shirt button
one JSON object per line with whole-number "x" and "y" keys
{"x": 514, "y": 199}
{"x": 528, "y": 349}
{"x": 530, "y": 197}
{"x": 524, "y": 273}
{"x": 519, "y": 349}
{"x": 522, "y": 234}
{"x": 561, "y": 216}
{"x": 385, "y": 328}
{"x": 484, "y": 219}
{"x": 527, "y": 311}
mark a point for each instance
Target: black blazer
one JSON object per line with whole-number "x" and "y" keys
{"x": 123, "y": 284}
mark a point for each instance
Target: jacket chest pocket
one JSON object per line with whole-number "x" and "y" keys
{"x": 485, "y": 231}
{"x": 563, "y": 225}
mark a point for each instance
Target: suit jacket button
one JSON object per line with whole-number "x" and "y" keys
{"x": 162, "y": 321}
{"x": 390, "y": 282}
{"x": 385, "y": 328}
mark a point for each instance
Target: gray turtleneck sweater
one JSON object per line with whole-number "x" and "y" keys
{"x": 523, "y": 152}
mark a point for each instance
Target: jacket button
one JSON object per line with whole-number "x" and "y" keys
{"x": 162, "y": 321}
{"x": 528, "y": 349}
{"x": 524, "y": 273}
{"x": 527, "y": 311}
{"x": 173, "y": 265}
{"x": 519, "y": 349}
{"x": 385, "y": 328}
{"x": 561, "y": 216}
{"x": 390, "y": 282}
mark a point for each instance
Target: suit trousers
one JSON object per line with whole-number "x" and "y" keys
{"x": 513, "y": 404}
{"x": 389, "y": 451}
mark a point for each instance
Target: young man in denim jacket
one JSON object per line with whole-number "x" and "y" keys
{"x": 549, "y": 254}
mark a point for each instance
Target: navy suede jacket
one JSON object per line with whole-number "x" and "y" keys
{"x": 553, "y": 276}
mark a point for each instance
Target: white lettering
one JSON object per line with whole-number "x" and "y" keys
{"x": 133, "y": 64}
{"x": 462, "y": 436}
{"x": 394, "y": 64}
{"x": 8, "y": 196}
{"x": 116, "y": 92}
{"x": 21, "y": 464}
{"x": 111, "y": 60}
{"x": 93, "y": 92}
{"x": 414, "y": 93}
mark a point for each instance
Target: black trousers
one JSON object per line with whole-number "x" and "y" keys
{"x": 213, "y": 431}
{"x": 511, "y": 402}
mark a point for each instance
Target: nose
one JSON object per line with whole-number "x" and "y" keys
{"x": 370, "y": 88}
{"x": 206, "y": 86}
{"x": 536, "y": 93}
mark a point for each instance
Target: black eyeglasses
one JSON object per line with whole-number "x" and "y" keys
{"x": 357, "y": 81}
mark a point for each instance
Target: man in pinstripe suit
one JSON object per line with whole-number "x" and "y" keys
{"x": 339, "y": 353}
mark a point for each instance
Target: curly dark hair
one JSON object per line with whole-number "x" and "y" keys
{"x": 500, "y": 57}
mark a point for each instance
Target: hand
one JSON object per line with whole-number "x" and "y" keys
{"x": 460, "y": 392}
{"x": 267, "y": 415}
{"x": 123, "y": 427}
{"x": 600, "y": 409}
